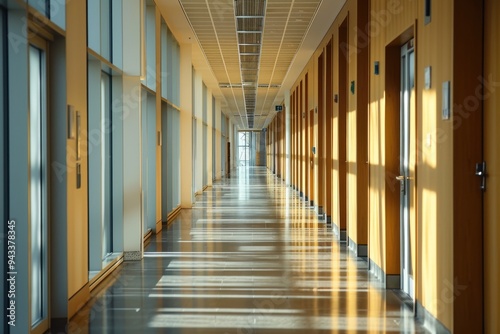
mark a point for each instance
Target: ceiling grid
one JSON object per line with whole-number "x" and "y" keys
{"x": 250, "y": 46}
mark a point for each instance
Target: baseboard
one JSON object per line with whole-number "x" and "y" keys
{"x": 429, "y": 321}
{"x": 159, "y": 226}
{"x": 389, "y": 281}
{"x": 393, "y": 282}
{"x": 336, "y": 230}
{"x": 147, "y": 236}
{"x": 377, "y": 271}
{"x": 172, "y": 215}
{"x": 110, "y": 268}
{"x": 320, "y": 212}
{"x": 78, "y": 300}
{"x": 363, "y": 251}
{"x": 358, "y": 250}
{"x": 343, "y": 234}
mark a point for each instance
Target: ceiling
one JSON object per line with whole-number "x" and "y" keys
{"x": 250, "y": 52}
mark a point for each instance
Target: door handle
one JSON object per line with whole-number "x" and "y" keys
{"x": 402, "y": 187}
{"x": 481, "y": 172}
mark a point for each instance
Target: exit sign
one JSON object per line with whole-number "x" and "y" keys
{"x": 279, "y": 108}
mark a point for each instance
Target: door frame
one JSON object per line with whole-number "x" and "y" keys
{"x": 343, "y": 105}
{"x": 320, "y": 143}
{"x": 407, "y": 138}
{"x": 328, "y": 130}
{"x": 392, "y": 161}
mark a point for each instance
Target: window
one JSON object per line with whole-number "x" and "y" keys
{"x": 170, "y": 65}
{"x": 214, "y": 141}
{"x": 149, "y": 142}
{"x": 38, "y": 215}
{"x": 170, "y": 159}
{"x": 104, "y": 29}
{"x": 54, "y": 10}
{"x": 195, "y": 136}
{"x": 42, "y": 6}
{"x": 205, "y": 135}
{"x": 105, "y": 24}
{"x": 244, "y": 148}
{"x": 150, "y": 44}
{"x": 106, "y": 167}
{"x": 223, "y": 147}
{"x": 104, "y": 177}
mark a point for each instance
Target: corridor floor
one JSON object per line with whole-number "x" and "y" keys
{"x": 250, "y": 257}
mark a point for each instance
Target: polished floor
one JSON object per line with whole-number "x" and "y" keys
{"x": 250, "y": 257}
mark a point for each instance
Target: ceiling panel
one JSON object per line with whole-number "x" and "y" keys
{"x": 250, "y": 46}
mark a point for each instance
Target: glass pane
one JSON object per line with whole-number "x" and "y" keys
{"x": 170, "y": 64}
{"x": 205, "y": 155}
{"x": 93, "y": 25}
{"x": 149, "y": 160}
{"x": 176, "y": 170}
{"x": 38, "y": 203}
{"x": 194, "y": 159}
{"x": 106, "y": 166}
{"x": 150, "y": 23}
{"x": 117, "y": 33}
{"x": 40, "y": 5}
{"x": 205, "y": 104}
{"x": 177, "y": 74}
{"x": 164, "y": 57}
{"x": 204, "y": 96}
{"x": 106, "y": 29}
{"x": 58, "y": 12}
{"x": 197, "y": 136}
{"x": 170, "y": 160}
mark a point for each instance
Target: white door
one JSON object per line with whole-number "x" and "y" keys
{"x": 407, "y": 89}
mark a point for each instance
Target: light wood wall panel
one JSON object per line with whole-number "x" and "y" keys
{"x": 77, "y": 252}
{"x": 362, "y": 95}
{"x": 435, "y": 145}
{"x": 377, "y": 179}
{"x": 328, "y": 119}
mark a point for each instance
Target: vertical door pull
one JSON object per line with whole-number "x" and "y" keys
{"x": 481, "y": 172}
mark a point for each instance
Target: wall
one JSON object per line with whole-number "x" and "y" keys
{"x": 77, "y": 226}
{"x": 445, "y": 261}
{"x": 355, "y": 163}
{"x": 389, "y": 21}
{"x": 134, "y": 74}
{"x": 18, "y": 164}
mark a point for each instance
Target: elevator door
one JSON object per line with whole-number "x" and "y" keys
{"x": 407, "y": 90}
